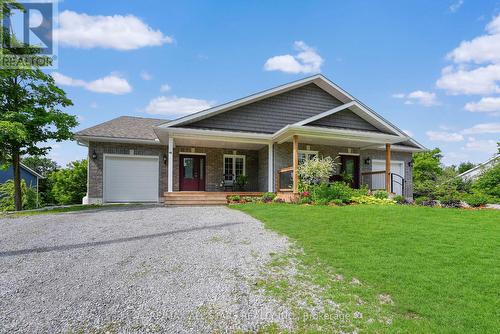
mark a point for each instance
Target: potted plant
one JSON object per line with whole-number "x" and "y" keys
{"x": 241, "y": 182}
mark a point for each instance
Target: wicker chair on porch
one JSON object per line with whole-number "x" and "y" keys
{"x": 228, "y": 182}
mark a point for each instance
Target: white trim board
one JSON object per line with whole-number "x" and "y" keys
{"x": 191, "y": 153}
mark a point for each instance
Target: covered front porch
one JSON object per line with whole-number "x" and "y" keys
{"x": 207, "y": 164}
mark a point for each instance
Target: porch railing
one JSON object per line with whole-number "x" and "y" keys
{"x": 285, "y": 179}
{"x": 376, "y": 181}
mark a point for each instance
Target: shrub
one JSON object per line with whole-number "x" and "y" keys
{"x": 421, "y": 199}
{"x": 249, "y": 199}
{"x": 329, "y": 192}
{"x": 451, "y": 203}
{"x": 337, "y": 202}
{"x": 234, "y": 198}
{"x": 268, "y": 197}
{"x": 70, "y": 184}
{"x": 321, "y": 201}
{"x": 381, "y": 194}
{"x": 241, "y": 181}
{"x": 488, "y": 182}
{"x": 431, "y": 203}
{"x": 305, "y": 200}
{"x": 372, "y": 200}
{"x": 476, "y": 199}
{"x": 363, "y": 191}
{"x": 7, "y": 196}
{"x": 317, "y": 170}
{"x": 400, "y": 199}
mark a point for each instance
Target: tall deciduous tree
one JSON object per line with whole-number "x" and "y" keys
{"x": 30, "y": 105}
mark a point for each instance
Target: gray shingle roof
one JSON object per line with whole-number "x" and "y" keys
{"x": 125, "y": 127}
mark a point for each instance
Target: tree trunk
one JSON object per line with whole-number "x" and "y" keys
{"x": 18, "y": 196}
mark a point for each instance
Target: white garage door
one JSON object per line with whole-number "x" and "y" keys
{"x": 378, "y": 181}
{"x": 131, "y": 178}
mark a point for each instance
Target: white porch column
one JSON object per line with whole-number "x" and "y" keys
{"x": 270, "y": 169}
{"x": 170, "y": 171}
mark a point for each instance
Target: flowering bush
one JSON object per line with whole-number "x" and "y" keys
{"x": 317, "y": 170}
{"x": 372, "y": 200}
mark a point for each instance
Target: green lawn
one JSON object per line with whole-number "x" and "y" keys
{"x": 440, "y": 266}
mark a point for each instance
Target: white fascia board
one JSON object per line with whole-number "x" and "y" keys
{"x": 309, "y": 131}
{"x": 396, "y": 148}
{"x": 86, "y": 139}
{"x": 324, "y": 114}
{"x": 243, "y": 137}
{"x": 253, "y": 98}
{"x": 31, "y": 170}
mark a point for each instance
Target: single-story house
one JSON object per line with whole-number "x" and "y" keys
{"x": 474, "y": 173}
{"x": 27, "y": 174}
{"x": 263, "y": 136}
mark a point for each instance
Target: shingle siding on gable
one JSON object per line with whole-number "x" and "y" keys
{"x": 344, "y": 119}
{"x": 271, "y": 114}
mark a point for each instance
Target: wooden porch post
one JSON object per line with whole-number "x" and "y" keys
{"x": 388, "y": 167}
{"x": 295, "y": 164}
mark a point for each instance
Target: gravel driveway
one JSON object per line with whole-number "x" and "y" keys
{"x": 136, "y": 269}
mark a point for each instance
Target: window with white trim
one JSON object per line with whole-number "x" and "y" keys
{"x": 307, "y": 155}
{"x": 234, "y": 165}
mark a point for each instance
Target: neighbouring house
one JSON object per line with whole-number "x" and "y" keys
{"x": 475, "y": 172}
{"x": 27, "y": 174}
{"x": 264, "y": 136}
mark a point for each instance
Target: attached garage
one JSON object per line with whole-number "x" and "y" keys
{"x": 130, "y": 178}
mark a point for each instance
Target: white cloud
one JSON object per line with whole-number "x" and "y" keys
{"x": 444, "y": 136}
{"x": 454, "y": 7}
{"x": 146, "y": 76}
{"x": 482, "y": 49}
{"x": 426, "y": 99}
{"x": 94, "y": 105}
{"x": 111, "y": 84}
{"x": 477, "y": 64}
{"x": 307, "y": 60}
{"x": 483, "y": 128}
{"x": 481, "y": 81}
{"x": 176, "y": 106}
{"x": 486, "y": 104}
{"x": 487, "y": 146}
{"x": 114, "y": 32}
{"x": 165, "y": 88}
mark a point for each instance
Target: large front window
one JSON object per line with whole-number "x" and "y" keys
{"x": 234, "y": 165}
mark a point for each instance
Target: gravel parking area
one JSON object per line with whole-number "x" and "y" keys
{"x": 136, "y": 269}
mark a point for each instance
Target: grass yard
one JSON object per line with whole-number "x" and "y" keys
{"x": 441, "y": 267}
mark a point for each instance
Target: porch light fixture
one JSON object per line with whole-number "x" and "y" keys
{"x": 368, "y": 161}
{"x": 94, "y": 155}
{"x": 410, "y": 163}
{"x": 165, "y": 159}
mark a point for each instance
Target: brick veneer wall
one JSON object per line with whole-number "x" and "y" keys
{"x": 215, "y": 167}
{"x": 399, "y": 156}
{"x": 95, "y": 187}
{"x": 283, "y": 158}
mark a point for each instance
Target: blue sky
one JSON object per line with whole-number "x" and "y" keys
{"x": 431, "y": 67}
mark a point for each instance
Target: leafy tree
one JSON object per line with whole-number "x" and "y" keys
{"x": 426, "y": 171}
{"x": 30, "y": 105}
{"x": 489, "y": 182}
{"x": 69, "y": 185}
{"x": 42, "y": 165}
{"x": 465, "y": 166}
{"x": 30, "y": 198}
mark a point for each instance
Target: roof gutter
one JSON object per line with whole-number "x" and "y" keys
{"x": 84, "y": 140}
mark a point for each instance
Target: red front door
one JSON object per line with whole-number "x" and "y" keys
{"x": 192, "y": 173}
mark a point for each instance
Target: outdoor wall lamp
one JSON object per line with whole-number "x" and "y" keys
{"x": 165, "y": 159}
{"x": 410, "y": 163}
{"x": 94, "y": 155}
{"x": 368, "y": 161}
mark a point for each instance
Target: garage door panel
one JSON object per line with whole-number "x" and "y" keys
{"x": 131, "y": 179}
